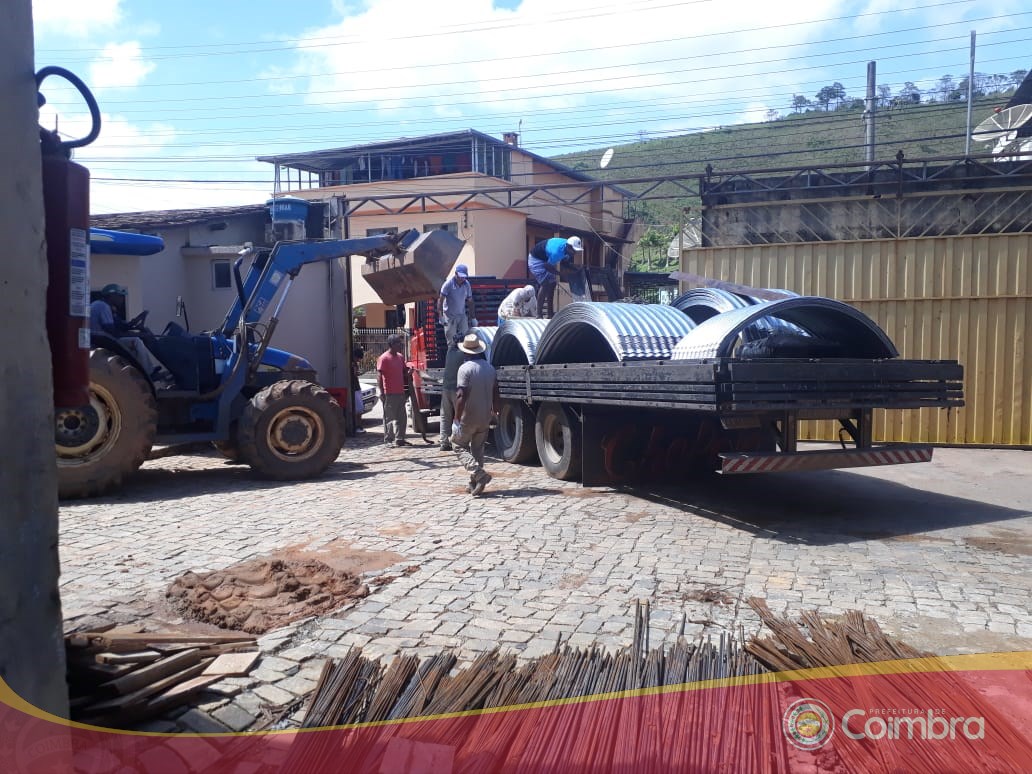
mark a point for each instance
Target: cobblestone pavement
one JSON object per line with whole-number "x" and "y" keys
{"x": 939, "y": 554}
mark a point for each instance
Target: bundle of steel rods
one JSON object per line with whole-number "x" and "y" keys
{"x": 856, "y": 639}
{"x": 694, "y": 706}
{"x": 610, "y": 733}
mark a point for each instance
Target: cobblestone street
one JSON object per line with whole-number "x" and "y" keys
{"x": 938, "y": 554}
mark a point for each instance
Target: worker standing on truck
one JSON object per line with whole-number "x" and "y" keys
{"x": 449, "y": 383}
{"x": 455, "y": 304}
{"x": 477, "y": 402}
{"x": 391, "y": 377}
{"x": 543, "y": 263}
{"x": 103, "y": 321}
{"x": 522, "y": 302}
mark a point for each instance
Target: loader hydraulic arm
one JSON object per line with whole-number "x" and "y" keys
{"x": 266, "y": 274}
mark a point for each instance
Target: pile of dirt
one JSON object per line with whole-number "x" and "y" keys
{"x": 263, "y": 594}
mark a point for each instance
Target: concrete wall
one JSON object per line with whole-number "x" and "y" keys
{"x": 31, "y": 646}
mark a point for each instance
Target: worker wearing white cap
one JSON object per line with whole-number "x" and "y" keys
{"x": 522, "y": 302}
{"x": 543, "y": 263}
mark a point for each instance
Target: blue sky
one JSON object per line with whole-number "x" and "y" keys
{"x": 192, "y": 91}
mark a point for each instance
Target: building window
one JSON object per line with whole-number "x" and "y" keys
{"x": 451, "y": 228}
{"x": 220, "y": 275}
{"x": 377, "y": 231}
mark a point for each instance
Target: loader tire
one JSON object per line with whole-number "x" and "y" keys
{"x": 557, "y": 434}
{"x": 127, "y": 421}
{"x": 290, "y": 430}
{"x": 514, "y": 435}
{"x": 228, "y": 449}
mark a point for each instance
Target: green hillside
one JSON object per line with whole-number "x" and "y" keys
{"x": 814, "y": 137}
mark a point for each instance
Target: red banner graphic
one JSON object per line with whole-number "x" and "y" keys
{"x": 956, "y": 714}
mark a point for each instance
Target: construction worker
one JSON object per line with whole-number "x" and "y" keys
{"x": 392, "y": 377}
{"x": 522, "y": 302}
{"x": 455, "y": 304}
{"x": 477, "y": 402}
{"x": 453, "y": 360}
{"x": 103, "y": 320}
{"x": 543, "y": 263}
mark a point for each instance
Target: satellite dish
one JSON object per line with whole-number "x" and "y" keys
{"x": 606, "y": 158}
{"x": 999, "y": 124}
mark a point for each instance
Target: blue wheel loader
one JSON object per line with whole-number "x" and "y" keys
{"x": 258, "y": 405}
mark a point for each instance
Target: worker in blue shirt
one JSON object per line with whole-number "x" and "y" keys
{"x": 543, "y": 263}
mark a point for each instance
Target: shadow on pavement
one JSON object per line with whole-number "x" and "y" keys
{"x": 154, "y": 484}
{"x": 824, "y": 508}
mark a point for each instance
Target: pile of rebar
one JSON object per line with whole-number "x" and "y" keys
{"x": 631, "y": 722}
{"x": 925, "y": 684}
{"x": 357, "y": 690}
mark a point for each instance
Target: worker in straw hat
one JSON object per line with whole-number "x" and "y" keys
{"x": 476, "y": 403}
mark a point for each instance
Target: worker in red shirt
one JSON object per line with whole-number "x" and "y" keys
{"x": 391, "y": 377}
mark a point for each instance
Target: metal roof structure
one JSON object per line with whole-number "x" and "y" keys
{"x": 587, "y": 332}
{"x": 516, "y": 341}
{"x": 336, "y": 158}
{"x": 823, "y": 318}
{"x": 151, "y": 219}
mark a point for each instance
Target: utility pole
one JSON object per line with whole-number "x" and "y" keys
{"x": 870, "y": 107}
{"x": 971, "y": 91}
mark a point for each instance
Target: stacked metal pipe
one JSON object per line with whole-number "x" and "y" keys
{"x": 516, "y": 341}
{"x": 611, "y": 332}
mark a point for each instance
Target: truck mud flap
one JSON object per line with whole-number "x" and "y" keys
{"x": 751, "y": 462}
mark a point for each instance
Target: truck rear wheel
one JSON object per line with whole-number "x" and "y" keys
{"x": 514, "y": 435}
{"x": 120, "y": 437}
{"x": 557, "y": 433}
{"x": 290, "y": 430}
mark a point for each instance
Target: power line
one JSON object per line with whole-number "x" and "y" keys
{"x": 813, "y": 124}
{"x": 595, "y": 13}
{"x": 689, "y": 37}
{"x": 560, "y": 142}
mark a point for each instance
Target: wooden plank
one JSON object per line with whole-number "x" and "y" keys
{"x": 230, "y": 664}
{"x": 140, "y": 695}
{"x": 133, "y": 657}
{"x": 172, "y": 637}
{"x": 178, "y": 694}
{"x": 153, "y": 672}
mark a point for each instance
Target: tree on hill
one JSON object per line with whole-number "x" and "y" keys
{"x": 836, "y": 92}
{"x": 800, "y": 103}
{"x": 946, "y": 88}
{"x": 908, "y": 95}
{"x": 884, "y": 94}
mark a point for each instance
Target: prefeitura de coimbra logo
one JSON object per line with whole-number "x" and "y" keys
{"x": 808, "y": 724}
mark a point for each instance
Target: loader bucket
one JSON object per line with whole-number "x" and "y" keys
{"x": 419, "y": 273}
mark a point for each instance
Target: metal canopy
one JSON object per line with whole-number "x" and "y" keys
{"x": 586, "y": 332}
{"x": 823, "y": 318}
{"x": 516, "y": 341}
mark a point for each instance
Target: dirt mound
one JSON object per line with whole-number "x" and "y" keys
{"x": 262, "y": 594}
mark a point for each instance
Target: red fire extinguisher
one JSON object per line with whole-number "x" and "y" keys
{"x": 66, "y": 202}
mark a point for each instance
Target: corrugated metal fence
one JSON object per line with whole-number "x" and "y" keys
{"x": 944, "y": 298}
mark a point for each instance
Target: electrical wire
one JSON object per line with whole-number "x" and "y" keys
{"x": 593, "y": 14}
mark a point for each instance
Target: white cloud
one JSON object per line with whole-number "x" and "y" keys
{"x": 75, "y": 18}
{"x": 543, "y": 58}
{"x": 120, "y": 65}
{"x": 133, "y": 154}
